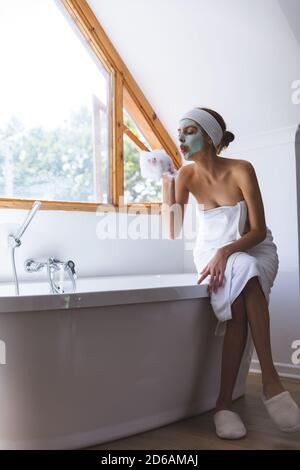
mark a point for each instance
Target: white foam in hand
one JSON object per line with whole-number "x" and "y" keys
{"x": 155, "y": 163}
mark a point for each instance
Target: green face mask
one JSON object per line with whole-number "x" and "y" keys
{"x": 192, "y": 142}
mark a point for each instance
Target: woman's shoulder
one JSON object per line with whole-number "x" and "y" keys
{"x": 243, "y": 172}
{"x": 236, "y": 161}
{"x": 239, "y": 165}
{"x": 186, "y": 170}
{"x": 230, "y": 163}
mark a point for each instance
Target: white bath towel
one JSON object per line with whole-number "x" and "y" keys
{"x": 218, "y": 227}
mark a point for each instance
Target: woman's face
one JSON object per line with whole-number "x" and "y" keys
{"x": 190, "y": 137}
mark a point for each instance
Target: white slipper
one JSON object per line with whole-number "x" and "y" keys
{"x": 229, "y": 425}
{"x": 284, "y": 411}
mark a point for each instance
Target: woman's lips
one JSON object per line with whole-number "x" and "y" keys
{"x": 183, "y": 148}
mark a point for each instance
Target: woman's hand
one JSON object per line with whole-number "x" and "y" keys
{"x": 164, "y": 163}
{"x": 216, "y": 269}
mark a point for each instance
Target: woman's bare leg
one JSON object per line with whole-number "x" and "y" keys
{"x": 258, "y": 317}
{"x": 233, "y": 347}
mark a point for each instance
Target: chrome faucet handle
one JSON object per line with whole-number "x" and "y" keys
{"x": 71, "y": 265}
{"x": 70, "y": 268}
{"x": 32, "y": 265}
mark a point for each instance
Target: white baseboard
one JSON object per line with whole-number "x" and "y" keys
{"x": 284, "y": 370}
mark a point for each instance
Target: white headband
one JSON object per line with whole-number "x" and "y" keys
{"x": 208, "y": 122}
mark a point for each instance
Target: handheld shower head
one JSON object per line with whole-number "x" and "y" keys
{"x": 15, "y": 240}
{"x": 34, "y": 209}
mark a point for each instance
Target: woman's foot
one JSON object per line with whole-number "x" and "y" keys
{"x": 284, "y": 411}
{"x": 229, "y": 425}
{"x": 223, "y": 404}
{"x": 272, "y": 387}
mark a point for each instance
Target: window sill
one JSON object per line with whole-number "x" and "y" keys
{"x": 132, "y": 208}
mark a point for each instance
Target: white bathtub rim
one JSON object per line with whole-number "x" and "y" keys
{"x": 42, "y": 302}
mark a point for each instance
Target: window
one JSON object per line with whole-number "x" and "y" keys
{"x": 72, "y": 118}
{"x": 53, "y": 115}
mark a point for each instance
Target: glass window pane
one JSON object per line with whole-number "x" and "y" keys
{"x": 54, "y": 113}
{"x": 136, "y": 188}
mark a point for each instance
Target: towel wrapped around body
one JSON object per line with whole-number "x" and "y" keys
{"x": 220, "y": 226}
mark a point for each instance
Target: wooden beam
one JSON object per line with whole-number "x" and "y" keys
{"x": 139, "y": 119}
{"x": 134, "y": 138}
{"x": 118, "y": 145}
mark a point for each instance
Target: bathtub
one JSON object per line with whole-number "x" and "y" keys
{"x": 123, "y": 355}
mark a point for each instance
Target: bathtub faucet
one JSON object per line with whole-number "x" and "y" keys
{"x": 54, "y": 265}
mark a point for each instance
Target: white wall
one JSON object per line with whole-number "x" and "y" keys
{"x": 80, "y": 236}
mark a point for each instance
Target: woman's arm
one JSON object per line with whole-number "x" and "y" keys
{"x": 247, "y": 181}
{"x": 175, "y": 196}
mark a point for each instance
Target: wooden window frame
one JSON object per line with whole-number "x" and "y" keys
{"x": 124, "y": 92}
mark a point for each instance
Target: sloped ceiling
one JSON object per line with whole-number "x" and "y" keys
{"x": 291, "y": 10}
{"x": 238, "y": 57}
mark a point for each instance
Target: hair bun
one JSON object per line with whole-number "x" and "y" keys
{"x": 227, "y": 138}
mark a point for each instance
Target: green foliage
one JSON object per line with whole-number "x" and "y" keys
{"x": 57, "y": 164}
{"x": 54, "y": 164}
